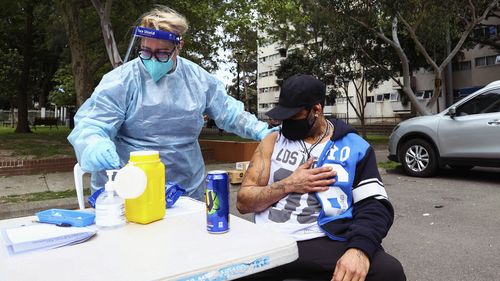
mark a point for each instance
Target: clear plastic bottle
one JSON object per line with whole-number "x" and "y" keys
{"x": 109, "y": 207}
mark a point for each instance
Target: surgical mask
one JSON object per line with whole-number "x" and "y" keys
{"x": 297, "y": 129}
{"x": 158, "y": 69}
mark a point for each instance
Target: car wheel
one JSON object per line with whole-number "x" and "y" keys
{"x": 418, "y": 158}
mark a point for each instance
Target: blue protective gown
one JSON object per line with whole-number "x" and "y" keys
{"x": 136, "y": 113}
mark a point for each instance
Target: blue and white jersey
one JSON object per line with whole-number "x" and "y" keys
{"x": 295, "y": 214}
{"x": 352, "y": 184}
{"x": 355, "y": 209}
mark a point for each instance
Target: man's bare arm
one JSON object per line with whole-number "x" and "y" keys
{"x": 255, "y": 195}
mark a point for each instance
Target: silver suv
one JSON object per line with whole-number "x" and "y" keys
{"x": 465, "y": 135}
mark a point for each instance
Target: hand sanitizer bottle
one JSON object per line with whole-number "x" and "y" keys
{"x": 109, "y": 207}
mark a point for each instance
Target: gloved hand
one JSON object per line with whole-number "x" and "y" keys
{"x": 266, "y": 132}
{"x": 100, "y": 156}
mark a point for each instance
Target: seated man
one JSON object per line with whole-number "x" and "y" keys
{"x": 317, "y": 181}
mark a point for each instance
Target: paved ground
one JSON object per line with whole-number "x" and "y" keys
{"x": 445, "y": 228}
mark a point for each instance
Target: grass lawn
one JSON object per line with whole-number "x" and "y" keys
{"x": 225, "y": 138}
{"x": 40, "y": 196}
{"x": 48, "y": 143}
{"x": 41, "y": 143}
{"x": 375, "y": 140}
{"x": 389, "y": 165}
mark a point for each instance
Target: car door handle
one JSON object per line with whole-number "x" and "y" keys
{"x": 494, "y": 122}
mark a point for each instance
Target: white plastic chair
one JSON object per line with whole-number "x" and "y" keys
{"x": 78, "y": 176}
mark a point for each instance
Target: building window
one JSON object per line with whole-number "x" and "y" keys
{"x": 419, "y": 95}
{"x": 428, "y": 94}
{"x": 370, "y": 99}
{"x": 480, "y": 61}
{"x": 394, "y": 96}
{"x": 282, "y": 52}
{"x": 379, "y": 98}
{"x": 492, "y": 31}
{"x": 488, "y": 60}
{"x": 487, "y": 32}
{"x": 462, "y": 65}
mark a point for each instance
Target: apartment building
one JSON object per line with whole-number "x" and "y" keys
{"x": 471, "y": 70}
{"x": 268, "y": 90}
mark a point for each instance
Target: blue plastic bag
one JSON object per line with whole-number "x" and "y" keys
{"x": 93, "y": 197}
{"x": 172, "y": 192}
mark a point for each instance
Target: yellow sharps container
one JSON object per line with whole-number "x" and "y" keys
{"x": 150, "y": 205}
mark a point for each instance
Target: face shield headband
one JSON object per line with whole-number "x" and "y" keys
{"x": 142, "y": 32}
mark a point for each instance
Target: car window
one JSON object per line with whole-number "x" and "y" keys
{"x": 487, "y": 102}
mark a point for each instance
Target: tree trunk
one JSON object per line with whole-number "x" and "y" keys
{"x": 107, "y": 32}
{"x": 363, "y": 128}
{"x": 438, "y": 81}
{"x": 245, "y": 92}
{"x": 45, "y": 89}
{"x": 405, "y": 66}
{"x": 82, "y": 70}
{"x": 22, "y": 97}
{"x": 12, "y": 116}
{"x": 449, "y": 72}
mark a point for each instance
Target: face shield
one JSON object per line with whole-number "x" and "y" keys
{"x": 162, "y": 55}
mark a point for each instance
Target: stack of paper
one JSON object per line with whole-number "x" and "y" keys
{"x": 44, "y": 236}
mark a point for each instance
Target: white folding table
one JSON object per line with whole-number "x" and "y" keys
{"x": 175, "y": 248}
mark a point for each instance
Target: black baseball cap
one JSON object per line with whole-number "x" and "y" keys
{"x": 298, "y": 92}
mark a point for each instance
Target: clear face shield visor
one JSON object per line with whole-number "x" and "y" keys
{"x": 162, "y": 54}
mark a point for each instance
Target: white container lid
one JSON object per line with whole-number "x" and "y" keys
{"x": 144, "y": 153}
{"x": 216, "y": 172}
{"x": 130, "y": 182}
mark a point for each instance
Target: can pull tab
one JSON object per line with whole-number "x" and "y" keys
{"x": 130, "y": 182}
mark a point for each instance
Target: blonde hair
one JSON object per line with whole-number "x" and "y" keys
{"x": 166, "y": 19}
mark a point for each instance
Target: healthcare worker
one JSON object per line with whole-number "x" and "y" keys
{"x": 157, "y": 102}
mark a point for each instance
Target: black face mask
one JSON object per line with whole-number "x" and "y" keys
{"x": 297, "y": 129}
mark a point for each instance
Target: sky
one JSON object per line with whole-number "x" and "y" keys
{"x": 224, "y": 73}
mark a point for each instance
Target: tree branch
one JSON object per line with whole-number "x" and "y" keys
{"x": 383, "y": 67}
{"x": 419, "y": 44}
{"x": 107, "y": 8}
{"x": 472, "y": 9}
{"x": 402, "y": 56}
{"x": 420, "y": 17}
{"x": 98, "y": 6}
{"x": 466, "y": 33}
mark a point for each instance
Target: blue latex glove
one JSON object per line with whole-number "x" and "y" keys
{"x": 266, "y": 132}
{"x": 100, "y": 156}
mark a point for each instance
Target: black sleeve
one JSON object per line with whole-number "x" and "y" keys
{"x": 373, "y": 214}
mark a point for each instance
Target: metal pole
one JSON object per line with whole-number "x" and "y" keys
{"x": 347, "y": 100}
{"x": 238, "y": 79}
{"x": 347, "y": 105}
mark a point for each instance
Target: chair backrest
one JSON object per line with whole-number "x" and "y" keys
{"x": 78, "y": 176}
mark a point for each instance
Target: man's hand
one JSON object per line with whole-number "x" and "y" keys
{"x": 352, "y": 266}
{"x": 305, "y": 179}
